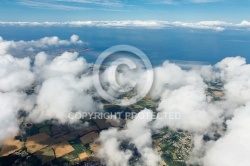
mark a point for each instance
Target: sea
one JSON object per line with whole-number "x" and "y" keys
{"x": 180, "y": 44}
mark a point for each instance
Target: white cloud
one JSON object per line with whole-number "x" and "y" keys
{"x": 190, "y": 103}
{"x": 62, "y": 85}
{"x": 167, "y": 2}
{"x": 199, "y": 25}
{"x": 203, "y": 25}
{"x": 71, "y": 4}
{"x": 112, "y": 3}
{"x": 234, "y": 148}
{"x": 204, "y": 1}
{"x": 178, "y": 2}
{"x": 39, "y": 4}
{"x": 67, "y": 63}
{"x": 138, "y": 132}
{"x": 110, "y": 151}
{"x": 15, "y": 74}
{"x": 10, "y": 104}
{"x": 20, "y": 46}
{"x": 65, "y": 93}
{"x": 235, "y": 74}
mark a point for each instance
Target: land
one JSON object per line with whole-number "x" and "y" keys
{"x": 50, "y": 143}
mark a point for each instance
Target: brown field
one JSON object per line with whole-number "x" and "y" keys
{"x": 74, "y": 134}
{"x": 102, "y": 124}
{"x": 67, "y": 137}
{"x": 87, "y": 130}
{"x": 60, "y": 134}
{"x": 71, "y": 157}
{"x": 45, "y": 155}
{"x": 62, "y": 149}
{"x": 88, "y": 138}
{"x": 10, "y": 146}
{"x": 94, "y": 147}
{"x": 218, "y": 93}
{"x": 38, "y": 137}
{"x": 49, "y": 141}
{"x": 36, "y": 142}
{"x": 83, "y": 156}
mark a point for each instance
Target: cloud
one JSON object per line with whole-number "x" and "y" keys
{"x": 164, "y": 79}
{"x": 63, "y": 85}
{"x": 199, "y": 25}
{"x": 71, "y": 4}
{"x": 112, "y": 3}
{"x": 167, "y": 2}
{"x": 234, "y": 147}
{"x": 15, "y": 74}
{"x": 61, "y": 93}
{"x": 110, "y": 152}
{"x": 202, "y": 25}
{"x": 137, "y": 132}
{"x": 204, "y": 1}
{"x": 234, "y": 72}
{"x": 66, "y": 63}
{"x": 11, "y": 103}
{"x": 190, "y": 103}
{"x": 177, "y": 2}
{"x": 244, "y": 23}
{"x": 182, "y": 92}
{"x": 58, "y": 84}
{"x": 18, "y": 47}
{"x": 38, "y": 4}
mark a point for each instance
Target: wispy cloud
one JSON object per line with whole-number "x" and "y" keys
{"x": 175, "y": 2}
{"x": 204, "y": 1}
{"x": 168, "y": 2}
{"x": 45, "y": 4}
{"x": 70, "y": 4}
{"x": 114, "y": 3}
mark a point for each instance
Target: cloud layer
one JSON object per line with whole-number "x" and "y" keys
{"x": 51, "y": 88}
{"x": 203, "y": 25}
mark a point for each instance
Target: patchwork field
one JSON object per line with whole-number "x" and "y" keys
{"x": 34, "y": 143}
{"x": 62, "y": 149}
{"x": 88, "y": 138}
{"x": 10, "y": 146}
{"x": 45, "y": 154}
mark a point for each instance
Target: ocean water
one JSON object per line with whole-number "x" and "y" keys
{"x": 158, "y": 44}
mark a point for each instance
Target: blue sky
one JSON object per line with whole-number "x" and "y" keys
{"x": 81, "y": 10}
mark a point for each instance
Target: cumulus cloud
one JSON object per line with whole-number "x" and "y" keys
{"x": 164, "y": 79}
{"x": 59, "y": 84}
{"x": 58, "y": 97}
{"x": 15, "y": 74}
{"x": 11, "y": 103}
{"x": 234, "y": 147}
{"x": 15, "y": 78}
{"x": 13, "y": 47}
{"x": 137, "y": 132}
{"x": 110, "y": 148}
{"x": 64, "y": 84}
{"x": 67, "y": 63}
{"x": 190, "y": 103}
{"x": 234, "y": 73}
